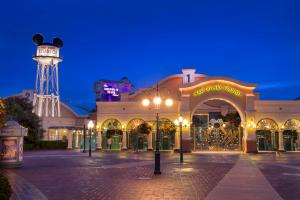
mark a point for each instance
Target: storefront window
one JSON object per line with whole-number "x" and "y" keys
{"x": 266, "y": 140}
{"x": 85, "y": 142}
{"x": 291, "y": 135}
{"x": 136, "y": 139}
{"x": 57, "y": 133}
{"x": 290, "y": 140}
{"x": 267, "y": 135}
{"x": 167, "y": 134}
{"x": 111, "y": 134}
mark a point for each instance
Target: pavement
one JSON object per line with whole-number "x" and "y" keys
{"x": 127, "y": 175}
{"x": 246, "y": 181}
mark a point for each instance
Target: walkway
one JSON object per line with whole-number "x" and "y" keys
{"x": 244, "y": 181}
{"x": 126, "y": 175}
{"x": 22, "y": 189}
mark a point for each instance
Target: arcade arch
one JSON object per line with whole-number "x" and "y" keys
{"x": 136, "y": 140}
{"x": 111, "y": 134}
{"x": 291, "y": 135}
{"x": 267, "y": 135}
{"x": 167, "y": 134}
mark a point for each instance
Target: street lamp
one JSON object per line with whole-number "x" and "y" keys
{"x": 181, "y": 122}
{"x": 90, "y": 127}
{"x": 157, "y": 102}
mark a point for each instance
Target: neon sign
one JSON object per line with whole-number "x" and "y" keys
{"x": 211, "y": 88}
{"x": 111, "y": 90}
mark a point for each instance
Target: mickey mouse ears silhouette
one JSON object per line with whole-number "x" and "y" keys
{"x": 38, "y": 39}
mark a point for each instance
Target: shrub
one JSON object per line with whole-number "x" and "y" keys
{"x": 5, "y": 189}
{"x": 44, "y": 145}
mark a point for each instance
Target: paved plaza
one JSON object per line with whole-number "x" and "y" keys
{"x": 128, "y": 175}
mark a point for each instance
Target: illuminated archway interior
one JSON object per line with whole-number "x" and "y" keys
{"x": 216, "y": 126}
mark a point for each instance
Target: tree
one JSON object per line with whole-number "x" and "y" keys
{"x": 21, "y": 110}
{"x": 2, "y": 113}
{"x": 138, "y": 133}
{"x": 144, "y": 128}
{"x": 168, "y": 128}
{"x": 232, "y": 119}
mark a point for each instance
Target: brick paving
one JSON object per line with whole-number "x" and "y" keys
{"x": 123, "y": 175}
{"x": 282, "y": 171}
{"x": 22, "y": 189}
{"x": 128, "y": 175}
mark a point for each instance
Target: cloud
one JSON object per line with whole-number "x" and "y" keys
{"x": 278, "y": 85}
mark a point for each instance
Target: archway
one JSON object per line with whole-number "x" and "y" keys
{"x": 267, "y": 135}
{"x": 167, "y": 134}
{"x": 228, "y": 100}
{"x": 136, "y": 140}
{"x": 216, "y": 125}
{"x": 111, "y": 134}
{"x": 291, "y": 135}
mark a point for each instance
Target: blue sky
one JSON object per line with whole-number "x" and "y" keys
{"x": 253, "y": 41}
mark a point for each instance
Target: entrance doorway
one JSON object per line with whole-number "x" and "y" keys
{"x": 138, "y": 141}
{"x": 167, "y": 134}
{"x": 111, "y": 134}
{"x": 267, "y": 135}
{"x": 290, "y": 140}
{"x": 216, "y": 127}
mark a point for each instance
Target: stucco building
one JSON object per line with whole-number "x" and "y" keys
{"x": 223, "y": 114}
{"x": 69, "y": 126}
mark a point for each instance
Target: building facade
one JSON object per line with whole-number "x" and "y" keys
{"x": 223, "y": 114}
{"x": 68, "y": 126}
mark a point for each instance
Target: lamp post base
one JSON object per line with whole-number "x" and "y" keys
{"x": 157, "y": 172}
{"x": 157, "y": 163}
{"x": 181, "y": 157}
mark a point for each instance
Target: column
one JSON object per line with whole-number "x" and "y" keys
{"x": 124, "y": 140}
{"x": 70, "y": 139}
{"x": 298, "y": 138}
{"x": 186, "y": 134}
{"x": 177, "y": 140}
{"x": 77, "y": 140}
{"x": 99, "y": 141}
{"x": 149, "y": 141}
{"x": 249, "y": 140}
{"x": 280, "y": 140}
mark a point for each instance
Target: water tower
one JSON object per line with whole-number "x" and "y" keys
{"x": 46, "y": 94}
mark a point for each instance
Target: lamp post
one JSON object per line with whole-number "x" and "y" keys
{"x": 90, "y": 127}
{"x": 181, "y": 122}
{"x": 157, "y": 102}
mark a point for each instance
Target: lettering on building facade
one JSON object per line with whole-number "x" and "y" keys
{"x": 211, "y": 88}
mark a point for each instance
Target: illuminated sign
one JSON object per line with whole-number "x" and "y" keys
{"x": 46, "y": 50}
{"x": 211, "y": 88}
{"x": 111, "y": 90}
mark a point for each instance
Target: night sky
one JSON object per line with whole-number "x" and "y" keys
{"x": 253, "y": 41}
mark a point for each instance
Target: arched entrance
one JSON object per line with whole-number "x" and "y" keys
{"x": 267, "y": 135}
{"x": 136, "y": 139}
{"x": 291, "y": 135}
{"x": 167, "y": 134}
{"x": 111, "y": 134}
{"x": 237, "y": 94}
{"x": 216, "y": 126}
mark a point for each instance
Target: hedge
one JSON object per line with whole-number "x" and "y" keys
{"x": 44, "y": 145}
{"x": 5, "y": 189}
